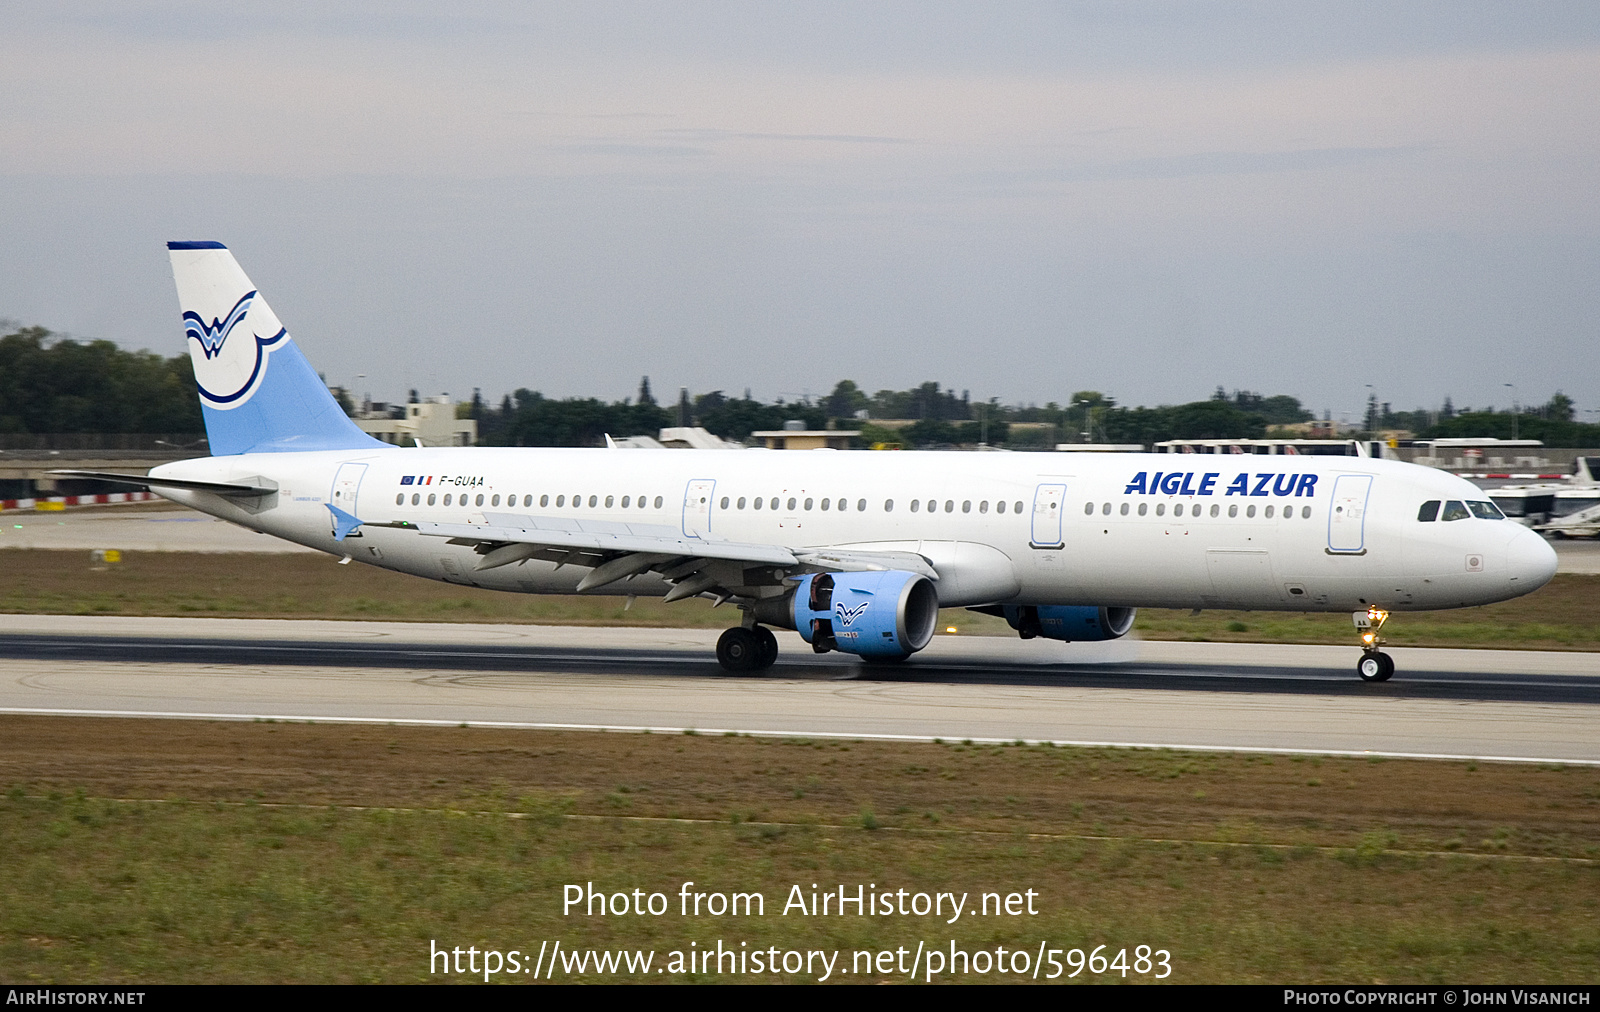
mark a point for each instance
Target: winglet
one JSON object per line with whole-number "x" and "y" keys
{"x": 343, "y": 523}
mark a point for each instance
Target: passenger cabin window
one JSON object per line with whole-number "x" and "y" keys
{"x": 1484, "y": 510}
{"x": 914, "y": 503}
{"x": 861, "y": 505}
{"x": 888, "y": 505}
{"x": 447, "y": 499}
{"x": 658, "y": 502}
{"x": 1455, "y": 510}
{"x": 757, "y": 504}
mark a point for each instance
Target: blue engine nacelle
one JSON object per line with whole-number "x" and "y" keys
{"x": 882, "y": 614}
{"x": 1069, "y": 622}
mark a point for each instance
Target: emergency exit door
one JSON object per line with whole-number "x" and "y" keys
{"x": 697, "y": 507}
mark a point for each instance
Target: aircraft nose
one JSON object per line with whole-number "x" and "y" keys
{"x": 1530, "y": 560}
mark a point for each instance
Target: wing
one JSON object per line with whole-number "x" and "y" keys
{"x": 615, "y": 551}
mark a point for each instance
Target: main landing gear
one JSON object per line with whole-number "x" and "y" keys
{"x": 1374, "y": 665}
{"x": 747, "y": 649}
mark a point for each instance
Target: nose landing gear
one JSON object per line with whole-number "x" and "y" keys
{"x": 1374, "y": 665}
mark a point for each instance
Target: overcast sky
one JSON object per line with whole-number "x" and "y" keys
{"x": 1018, "y": 199}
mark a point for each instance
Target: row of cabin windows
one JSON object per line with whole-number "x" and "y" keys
{"x": 466, "y": 499}
{"x": 1455, "y": 509}
{"x": 642, "y": 502}
{"x": 1196, "y": 510}
{"x": 843, "y": 505}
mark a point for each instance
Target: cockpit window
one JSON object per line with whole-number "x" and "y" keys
{"x": 1429, "y": 511}
{"x": 1455, "y": 510}
{"x": 1485, "y": 510}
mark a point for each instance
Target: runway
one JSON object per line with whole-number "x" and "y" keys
{"x": 1513, "y": 705}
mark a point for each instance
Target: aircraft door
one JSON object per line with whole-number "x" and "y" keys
{"x": 1347, "y": 517}
{"x": 697, "y": 507}
{"x": 1046, "y": 532}
{"x": 346, "y": 485}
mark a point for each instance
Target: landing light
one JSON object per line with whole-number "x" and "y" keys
{"x": 949, "y": 628}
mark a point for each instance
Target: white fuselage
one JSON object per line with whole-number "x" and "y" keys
{"x": 1296, "y": 533}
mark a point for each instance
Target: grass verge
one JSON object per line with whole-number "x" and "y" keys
{"x": 157, "y": 851}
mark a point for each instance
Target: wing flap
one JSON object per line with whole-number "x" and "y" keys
{"x": 613, "y": 542}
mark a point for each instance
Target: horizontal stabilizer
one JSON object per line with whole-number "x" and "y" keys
{"x": 227, "y": 488}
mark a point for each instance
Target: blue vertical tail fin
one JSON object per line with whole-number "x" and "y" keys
{"x": 257, "y": 392}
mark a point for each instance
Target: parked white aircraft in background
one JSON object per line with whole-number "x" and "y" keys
{"x": 854, "y": 551}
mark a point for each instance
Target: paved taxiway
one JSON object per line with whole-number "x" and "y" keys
{"x": 1488, "y": 704}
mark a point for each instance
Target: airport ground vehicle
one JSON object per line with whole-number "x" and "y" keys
{"x": 855, "y": 551}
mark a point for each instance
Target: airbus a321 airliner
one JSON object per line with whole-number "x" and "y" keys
{"x": 854, "y": 551}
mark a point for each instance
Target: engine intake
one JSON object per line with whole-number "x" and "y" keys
{"x": 875, "y": 614}
{"x": 1070, "y": 623}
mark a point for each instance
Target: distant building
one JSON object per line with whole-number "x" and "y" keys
{"x": 433, "y": 422}
{"x": 795, "y": 436}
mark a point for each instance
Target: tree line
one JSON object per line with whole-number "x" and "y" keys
{"x": 55, "y": 384}
{"x": 50, "y": 385}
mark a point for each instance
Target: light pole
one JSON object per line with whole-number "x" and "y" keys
{"x": 1372, "y": 409}
{"x": 1515, "y": 410}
